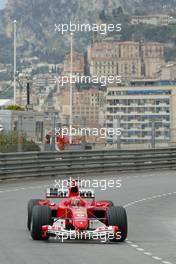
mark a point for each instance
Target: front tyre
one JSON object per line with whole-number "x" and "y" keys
{"x": 30, "y": 206}
{"x": 116, "y": 216}
{"x": 41, "y": 215}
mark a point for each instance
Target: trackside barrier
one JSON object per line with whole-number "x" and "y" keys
{"x": 38, "y": 164}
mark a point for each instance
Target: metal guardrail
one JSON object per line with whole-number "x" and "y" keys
{"x": 38, "y": 164}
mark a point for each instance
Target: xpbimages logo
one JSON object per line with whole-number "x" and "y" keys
{"x": 102, "y": 184}
{"x": 102, "y": 80}
{"x": 103, "y": 236}
{"x": 103, "y": 29}
{"x": 87, "y": 131}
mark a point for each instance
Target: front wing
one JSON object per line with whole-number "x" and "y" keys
{"x": 104, "y": 233}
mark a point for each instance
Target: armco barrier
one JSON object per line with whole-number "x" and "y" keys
{"x": 37, "y": 164}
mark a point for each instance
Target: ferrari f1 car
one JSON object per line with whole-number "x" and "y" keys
{"x": 77, "y": 216}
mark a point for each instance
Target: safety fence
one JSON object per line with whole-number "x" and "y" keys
{"x": 73, "y": 163}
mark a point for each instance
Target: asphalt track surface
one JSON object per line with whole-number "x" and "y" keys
{"x": 150, "y": 201}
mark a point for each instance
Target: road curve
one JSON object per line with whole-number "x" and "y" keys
{"x": 150, "y": 200}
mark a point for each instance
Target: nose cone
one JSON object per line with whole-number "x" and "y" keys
{"x": 80, "y": 220}
{"x": 81, "y": 224}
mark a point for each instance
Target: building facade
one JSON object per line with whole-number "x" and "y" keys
{"x": 151, "y": 20}
{"x": 129, "y": 59}
{"x": 87, "y": 107}
{"x": 167, "y": 71}
{"x": 77, "y": 66}
{"x": 145, "y": 111}
{"x": 152, "y": 57}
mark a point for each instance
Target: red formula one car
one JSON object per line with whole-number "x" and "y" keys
{"x": 77, "y": 216}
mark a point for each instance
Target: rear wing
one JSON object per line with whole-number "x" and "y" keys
{"x": 64, "y": 193}
{"x": 86, "y": 193}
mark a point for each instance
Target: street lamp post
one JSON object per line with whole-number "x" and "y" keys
{"x": 53, "y": 131}
{"x": 153, "y": 135}
{"x": 71, "y": 88}
{"x": 14, "y": 68}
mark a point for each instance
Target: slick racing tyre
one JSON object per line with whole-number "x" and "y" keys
{"x": 41, "y": 215}
{"x": 31, "y": 204}
{"x": 116, "y": 216}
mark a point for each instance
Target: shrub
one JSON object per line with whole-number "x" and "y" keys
{"x": 15, "y": 107}
{"x": 9, "y": 143}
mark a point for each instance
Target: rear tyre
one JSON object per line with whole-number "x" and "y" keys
{"x": 41, "y": 215}
{"x": 116, "y": 216}
{"x": 30, "y": 206}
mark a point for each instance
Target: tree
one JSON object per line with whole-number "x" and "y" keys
{"x": 102, "y": 15}
{"x": 117, "y": 11}
{"x": 140, "y": 12}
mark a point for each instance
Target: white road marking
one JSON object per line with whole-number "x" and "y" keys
{"x": 140, "y": 249}
{"x": 148, "y": 253}
{"x": 131, "y": 244}
{"x": 149, "y": 198}
{"x": 156, "y": 258}
{"x": 24, "y": 188}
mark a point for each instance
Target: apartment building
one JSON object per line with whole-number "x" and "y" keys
{"x": 144, "y": 110}
{"x": 127, "y": 59}
{"x": 87, "y": 107}
{"x": 77, "y": 66}
{"x": 44, "y": 80}
{"x": 151, "y": 20}
{"x": 153, "y": 58}
{"x": 114, "y": 58}
{"x": 167, "y": 71}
